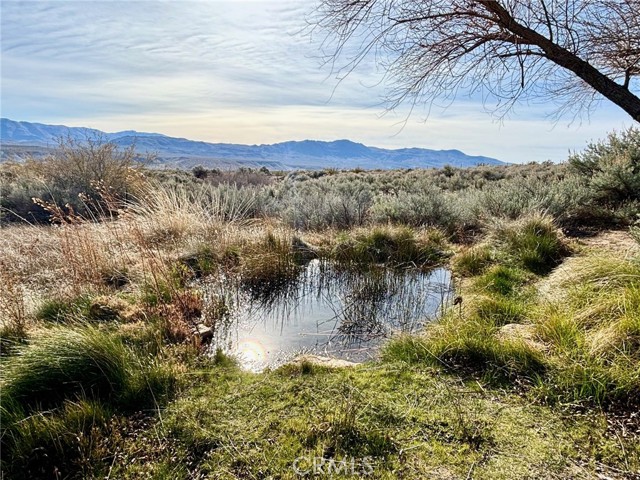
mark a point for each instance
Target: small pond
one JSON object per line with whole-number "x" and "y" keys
{"x": 325, "y": 310}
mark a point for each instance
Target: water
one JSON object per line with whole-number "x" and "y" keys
{"x": 324, "y": 310}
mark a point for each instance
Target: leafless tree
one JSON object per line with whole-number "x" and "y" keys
{"x": 571, "y": 52}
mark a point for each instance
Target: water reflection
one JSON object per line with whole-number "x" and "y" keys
{"x": 323, "y": 310}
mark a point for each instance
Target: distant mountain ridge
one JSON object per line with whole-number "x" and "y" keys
{"x": 16, "y": 137}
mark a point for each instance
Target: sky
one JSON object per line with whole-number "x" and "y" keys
{"x": 239, "y": 72}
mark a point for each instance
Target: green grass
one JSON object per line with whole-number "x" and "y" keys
{"x": 67, "y": 443}
{"x": 63, "y": 363}
{"x": 471, "y": 347}
{"x": 473, "y": 261}
{"x": 581, "y": 345}
{"x": 502, "y": 280}
{"x": 594, "y": 329}
{"x": 508, "y": 384}
{"x": 59, "y": 393}
{"x": 83, "y": 308}
{"x": 59, "y": 310}
{"x": 533, "y": 242}
{"x": 405, "y": 420}
{"x": 11, "y": 338}
{"x": 391, "y": 246}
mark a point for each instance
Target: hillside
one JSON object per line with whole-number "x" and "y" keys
{"x": 20, "y": 139}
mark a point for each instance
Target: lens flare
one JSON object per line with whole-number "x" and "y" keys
{"x": 252, "y": 354}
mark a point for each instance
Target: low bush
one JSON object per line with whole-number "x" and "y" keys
{"x": 611, "y": 168}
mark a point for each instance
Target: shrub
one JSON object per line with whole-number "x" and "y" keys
{"x": 430, "y": 207}
{"x": 612, "y": 167}
{"x": 91, "y": 177}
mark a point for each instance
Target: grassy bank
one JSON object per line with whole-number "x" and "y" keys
{"x": 533, "y": 372}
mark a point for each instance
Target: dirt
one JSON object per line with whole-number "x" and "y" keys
{"x": 618, "y": 242}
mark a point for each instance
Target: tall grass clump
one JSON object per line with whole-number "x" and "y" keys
{"x": 399, "y": 246}
{"x": 501, "y": 280}
{"x": 170, "y": 214}
{"x": 594, "y": 329}
{"x": 473, "y": 260}
{"x": 62, "y": 363}
{"x": 534, "y": 243}
{"x": 13, "y": 313}
{"x": 472, "y": 346}
{"x": 69, "y": 443}
{"x": 269, "y": 264}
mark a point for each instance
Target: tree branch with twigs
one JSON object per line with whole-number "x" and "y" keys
{"x": 572, "y": 53}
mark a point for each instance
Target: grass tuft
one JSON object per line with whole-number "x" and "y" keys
{"x": 473, "y": 261}
{"x": 534, "y": 242}
{"x": 56, "y": 444}
{"x": 392, "y": 246}
{"x": 502, "y": 280}
{"x": 62, "y": 363}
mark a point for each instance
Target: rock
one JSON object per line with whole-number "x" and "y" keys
{"x": 320, "y": 361}
{"x": 102, "y": 313}
{"x": 524, "y": 333}
{"x": 204, "y": 333}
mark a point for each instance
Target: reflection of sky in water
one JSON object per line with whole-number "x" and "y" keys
{"x": 326, "y": 312}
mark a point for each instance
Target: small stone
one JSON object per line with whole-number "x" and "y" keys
{"x": 321, "y": 361}
{"x": 525, "y": 333}
{"x": 204, "y": 333}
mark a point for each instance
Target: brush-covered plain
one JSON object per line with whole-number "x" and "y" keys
{"x": 533, "y": 373}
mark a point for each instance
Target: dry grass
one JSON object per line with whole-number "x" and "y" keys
{"x": 138, "y": 250}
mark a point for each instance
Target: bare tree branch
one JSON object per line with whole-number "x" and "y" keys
{"x": 568, "y": 51}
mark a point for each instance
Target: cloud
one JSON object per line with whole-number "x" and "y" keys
{"x": 232, "y": 71}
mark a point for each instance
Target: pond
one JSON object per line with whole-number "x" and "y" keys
{"x": 325, "y": 310}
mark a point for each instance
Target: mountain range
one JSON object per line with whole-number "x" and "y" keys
{"x": 21, "y": 139}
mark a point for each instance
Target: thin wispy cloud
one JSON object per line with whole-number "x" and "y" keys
{"x": 233, "y": 72}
